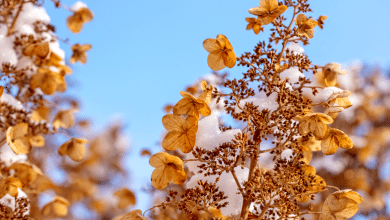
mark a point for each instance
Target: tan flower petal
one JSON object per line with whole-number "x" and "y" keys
{"x": 229, "y": 58}
{"x": 37, "y": 140}
{"x": 210, "y": 45}
{"x": 133, "y": 215}
{"x": 321, "y": 21}
{"x": 329, "y": 144}
{"x": 215, "y": 60}
{"x": 58, "y": 207}
{"x": 173, "y": 122}
{"x": 40, "y": 113}
{"x": 64, "y": 118}
{"x": 125, "y": 198}
{"x": 74, "y": 23}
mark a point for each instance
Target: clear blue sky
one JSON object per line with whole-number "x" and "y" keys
{"x": 144, "y": 52}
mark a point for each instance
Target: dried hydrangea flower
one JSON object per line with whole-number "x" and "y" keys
{"x": 169, "y": 168}
{"x": 182, "y": 132}
{"x": 340, "y": 205}
{"x": 48, "y": 81}
{"x": 331, "y": 71}
{"x": 10, "y": 185}
{"x": 41, "y": 50}
{"x": 74, "y": 148}
{"x": 191, "y": 106}
{"x": 64, "y": 119}
{"x": 221, "y": 53}
{"x": 315, "y": 123}
{"x": 320, "y": 21}
{"x": 79, "y": 53}
{"x": 268, "y": 11}
{"x": 206, "y": 94}
{"x": 254, "y": 24}
{"x": 334, "y": 139}
{"x": 76, "y": 21}
{"x": 305, "y": 26}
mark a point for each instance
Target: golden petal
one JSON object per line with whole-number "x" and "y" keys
{"x": 343, "y": 140}
{"x": 203, "y": 108}
{"x": 250, "y": 20}
{"x": 229, "y": 58}
{"x": 76, "y": 152}
{"x": 203, "y": 85}
{"x": 329, "y": 145}
{"x": 256, "y": 29}
{"x": 85, "y": 47}
{"x": 270, "y": 5}
{"x": 86, "y": 14}
{"x": 309, "y": 33}
{"x": 159, "y": 178}
{"x": 215, "y": 61}
{"x": 174, "y": 140}
{"x": 158, "y": 159}
{"x": 301, "y": 19}
{"x": 279, "y": 10}
{"x": 74, "y": 24}
{"x": 173, "y": 122}
{"x": 176, "y": 176}
{"x": 258, "y": 11}
{"x": 311, "y": 23}
{"x": 37, "y": 140}
{"x": 211, "y": 45}
{"x": 184, "y": 106}
{"x": 42, "y": 50}
{"x": 221, "y": 41}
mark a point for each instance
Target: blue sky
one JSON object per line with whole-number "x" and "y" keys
{"x": 145, "y": 52}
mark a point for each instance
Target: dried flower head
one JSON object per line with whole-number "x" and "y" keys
{"x": 320, "y": 21}
{"x": 330, "y": 71}
{"x": 334, "y": 139}
{"x": 191, "y": 106}
{"x": 10, "y": 185}
{"x": 76, "y": 21}
{"x": 25, "y": 172}
{"x": 64, "y": 119}
{"x": 182, "y": 132}
{"x": 40, "y": 113}
{"x": 254, "y": 24}
{"x": 206, "y": 94}
{"x": 221, "y": 53}
{"x": 315, "y": 123}
{"x": 268, "y": 11}
{"x": 41, "y": 50}
{"x": 74, "y": 148}
{"x": 168, "y": 169}
{"x": 305, "y": 26}
{"x": 48, "y": 81}
{"x": 79, "y": 53}
{"x": 340, "y": 205}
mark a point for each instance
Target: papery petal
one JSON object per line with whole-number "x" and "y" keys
{"x": 215, "y": 61}
{"x": 211, "y": 45}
